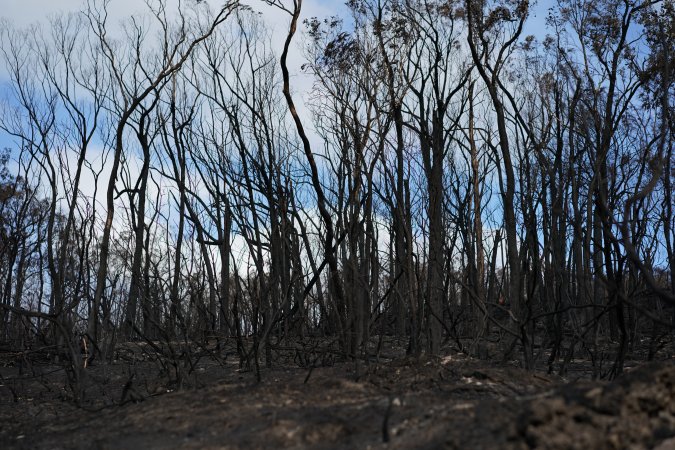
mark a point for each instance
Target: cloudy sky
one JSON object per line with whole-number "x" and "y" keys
{"x": 24, "y": 12}
{"x": 21, "y": 13}
{"x": 27, "y": 11}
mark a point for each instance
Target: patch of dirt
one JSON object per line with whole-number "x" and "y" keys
{"x": 451, "y": 402}
{"x": 636, "y": 411}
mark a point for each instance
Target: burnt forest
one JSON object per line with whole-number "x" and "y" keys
{"x": 376, "y": 224}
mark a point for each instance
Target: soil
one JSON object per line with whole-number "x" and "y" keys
{"x": 398, "y": 402}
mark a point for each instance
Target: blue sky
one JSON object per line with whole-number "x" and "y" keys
{"x": 22, "y": 13}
